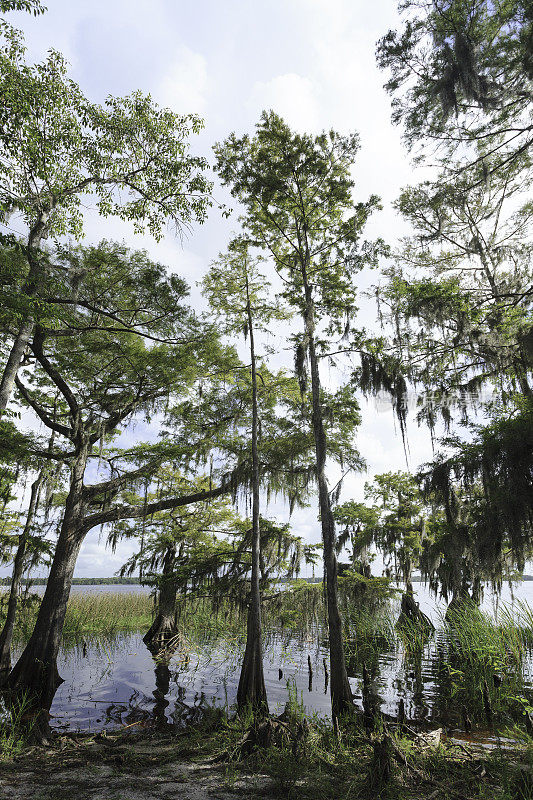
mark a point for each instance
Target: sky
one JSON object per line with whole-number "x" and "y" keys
{"x": 311, "y": 61}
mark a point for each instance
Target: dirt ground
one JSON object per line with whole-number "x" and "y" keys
{"x": 122, "y": 770}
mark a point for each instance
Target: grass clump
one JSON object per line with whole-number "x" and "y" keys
{"x": 481, "y": 664}
{"x": 16, "y": 725}
{"x": 104, "y": 613}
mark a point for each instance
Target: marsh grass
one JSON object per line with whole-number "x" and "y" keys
{"x": 470, "y": 649}
{"x": 106, "y": 613}
{"x": 15, "y": 727}
{"x": 482, "y": 658}
{"x": 92, "y": 614}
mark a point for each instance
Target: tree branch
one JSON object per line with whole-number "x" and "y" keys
{"x": 64, "y": 388}
{"x": 41, "y": 413}
{"x": 145, "y": 510}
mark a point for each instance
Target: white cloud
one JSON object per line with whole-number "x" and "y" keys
{"x": 291, "y": 96}
{"x": 317, "y": 75}
{"x": 185, "y": 84}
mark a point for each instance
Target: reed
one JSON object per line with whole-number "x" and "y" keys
{"x": 92, "y": 614}
{"x": 104, "y": 613}
{"x": 15, "y": 727}
{"x": 483, "y": 661}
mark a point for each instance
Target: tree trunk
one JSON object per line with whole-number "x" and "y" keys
{"x": 18, "y": 348}
{"x": 456, "y": 582}
{"x": 163, "y": 628}
{"x": 13, "y": 363}
{"x": 341, "y": 693}
{"x": 6, "y": 635}
{"x": 35, "y": 673}
{"x": 459, "y": 599}
{"x": 410, "y": 610}
{"x": 252, "y": 688}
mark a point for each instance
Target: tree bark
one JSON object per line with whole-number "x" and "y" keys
{"x": 35, "y": 673}
{"x": 341, "y": 693}
{"x": 13, "y": 362}
{"x": 163, "y": 628}
{"x": 252, "y": 688}
{"x": 6, "y": 635}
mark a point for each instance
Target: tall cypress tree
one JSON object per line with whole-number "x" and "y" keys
{"x": 297, "y": 192}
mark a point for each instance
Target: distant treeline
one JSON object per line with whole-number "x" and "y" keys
{"x": 113, "y": 581}
{"x": 135, "y": 581}
{"x": 78, "y": 581}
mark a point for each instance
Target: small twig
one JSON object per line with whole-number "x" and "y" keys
{"x": 131, "y": 724}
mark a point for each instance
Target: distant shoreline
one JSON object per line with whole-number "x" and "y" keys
{"x": 135, "y": 581}
{"x": 117, "y": 581}
{"x": 79, "y": 581}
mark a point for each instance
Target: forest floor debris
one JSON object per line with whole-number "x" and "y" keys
{"x": 207, "y": 762}
{"x": 124, "y": 768}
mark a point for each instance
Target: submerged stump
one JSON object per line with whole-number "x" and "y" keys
{"x": 410, "y": 610}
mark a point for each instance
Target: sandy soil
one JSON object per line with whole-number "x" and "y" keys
{"x": 122, "y": 770}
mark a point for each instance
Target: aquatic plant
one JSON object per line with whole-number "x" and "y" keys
{"x": 15, "y": 727}
{"x": 481, "y": 663}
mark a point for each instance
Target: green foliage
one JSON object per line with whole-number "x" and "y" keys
{"x": 15, "y": 727}
{"x": 474, "y": 649}
{"x": 235, "y": 280}
{"x": 57, "y": 147}
{"x": 100, "y": 368}
{"x": 401, "y": 528}
{"x": 297, "y": 192}
{"x": 396, "y": 526}
{"x": 221, "y": 568}
{"x": 459, "y": 294}
{"x": 461, "y": 72}
{"x": 34, "y": 7}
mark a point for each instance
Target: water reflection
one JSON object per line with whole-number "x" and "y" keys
{"x": 117, "y": 683}
{"x": 162, "y": 688}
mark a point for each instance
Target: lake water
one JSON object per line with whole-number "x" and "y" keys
{"x": 522, "y": 591}
{"x": 117, "y": 683}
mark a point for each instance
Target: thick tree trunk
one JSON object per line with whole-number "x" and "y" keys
{"x": 35, "y": 673}
{"x": 252, "y": 688}
{"x": 341, "y": 693}
{"x": 456, "y": 582}
{"x": 163, "y": 629}
{"x": 409, "y": 585}
{"x": 459, "y": 598}
{"x": 410, "y": 610}
{"x": 6, "y": 635}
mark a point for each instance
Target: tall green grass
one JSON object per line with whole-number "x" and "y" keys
{"x": 92, "y": 614}
{"x": 15, "y": 727}
{"x": 480, "y": 655}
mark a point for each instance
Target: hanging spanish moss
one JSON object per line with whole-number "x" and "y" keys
{"x": 498, "y": 464}
{"x": 385, "y": 375}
